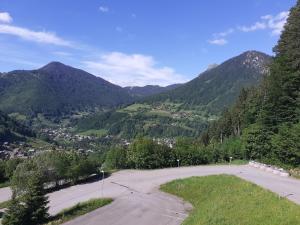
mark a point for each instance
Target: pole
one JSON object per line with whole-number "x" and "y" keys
{"x": 102, "y": 171}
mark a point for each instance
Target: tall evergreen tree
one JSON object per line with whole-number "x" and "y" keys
{"x": 15, "y": 214}
{"x": 29, "y": 202}
{"x": 282, "y": 97}
{"x": 36, "y": 201}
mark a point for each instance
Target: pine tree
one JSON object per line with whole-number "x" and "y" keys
{"x": 29, "y": 202}
{"x": 288, "y": 46}
{"x": 282, "y": 102}
{"x": 15, "y": 214}
{"x": 36, "y": 202}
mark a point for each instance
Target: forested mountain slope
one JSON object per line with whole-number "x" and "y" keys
{"x": 148, "y": 90}
{"x": 219, "y": 87}
{"x": 10, "y": 130}
{"x": 57, "y": 89}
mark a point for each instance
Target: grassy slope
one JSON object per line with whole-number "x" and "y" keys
{"x": 228, "y": 200}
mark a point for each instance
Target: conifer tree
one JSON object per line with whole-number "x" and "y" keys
{"x": 36, "y": 202}
{"x": 15, "y": 214}
{"x": 29, "y": 202}
{"x": 283, "y": 91}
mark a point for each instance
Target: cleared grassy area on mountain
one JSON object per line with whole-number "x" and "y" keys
{"x": 154, "y": 120}
{"x": 228, "y": 200}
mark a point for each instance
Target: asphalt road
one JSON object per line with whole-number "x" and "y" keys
{"x": 138, "y": 200}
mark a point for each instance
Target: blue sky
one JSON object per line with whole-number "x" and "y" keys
{"x": 134, "y": 42}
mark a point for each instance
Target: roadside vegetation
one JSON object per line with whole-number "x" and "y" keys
{"x": 144, "y": 153}
{"x": 224, "y": 199}
{"x": 33, "y": 178}
{"x": 77, "y": 210}
{"x": 58, "y": 168}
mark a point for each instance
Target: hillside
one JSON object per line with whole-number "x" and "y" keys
{"x": 185, "y": 110}
{"x": 10, "y": 130}
{"x": 149, "y": 90}
{"x": 57, "y": 89}
{"x": 217, "y": 88}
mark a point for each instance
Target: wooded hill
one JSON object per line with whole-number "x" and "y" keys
{"x": 57, "y": 89}
{"x": 11, "y": 130}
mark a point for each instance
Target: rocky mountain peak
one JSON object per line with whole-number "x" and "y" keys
{"x": 256, "y": 60}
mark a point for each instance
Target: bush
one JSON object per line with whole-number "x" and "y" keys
{"x": 116, "y": 159}
{"x": 257, "y": 143}
{"x": 233, "y": 147}
{"x": 144, "y": 153}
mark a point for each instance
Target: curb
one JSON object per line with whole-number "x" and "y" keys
{"x": 268, "y": 168}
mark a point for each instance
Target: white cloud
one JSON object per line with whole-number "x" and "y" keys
{"x": 103, "y": 9}
{"x": 276, "y": 24}
{"x": 273, "y": 23}
{"x": 220, "y": 41}
{"x": 225, "y": 33}
{"x": 132, "y": 70}
{"x": 254, "y": 27}
{"x": 219, "y": 38}
{"x": 5, "y": 17}
{"x": 36, "y": 36}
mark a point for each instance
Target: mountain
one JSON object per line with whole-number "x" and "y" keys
{"x": 187, "y": 109}
{"x": 149, "y": 90}
{"x": 57, "y": 89}
{"x": 219, "y": 86}
{"x": 11, "y": 130}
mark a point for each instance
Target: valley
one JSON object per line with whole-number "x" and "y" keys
{"x": 56, "y": 103}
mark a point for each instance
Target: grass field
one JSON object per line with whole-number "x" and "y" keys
{"x": 228, "y": 200}
{"x": 78, "y": 210}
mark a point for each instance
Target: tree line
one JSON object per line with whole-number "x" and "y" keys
{"x": 145, "y": 153}
{"x": 32, "y": 178}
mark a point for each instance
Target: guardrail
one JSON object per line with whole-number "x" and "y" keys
{"x": 271, "y": 169}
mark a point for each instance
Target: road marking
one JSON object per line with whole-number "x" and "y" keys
{"x": 122, "y": 185}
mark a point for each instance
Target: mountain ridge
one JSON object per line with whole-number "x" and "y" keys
{"x": 219, "y": 86}
{"x": 145, "y": 91}
{"x": 57, "y": 89}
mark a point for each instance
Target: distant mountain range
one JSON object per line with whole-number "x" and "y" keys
{"x": 181, "y": 109}
{"x": 57, "y": 89}
{"x": 149, "y": 90}
{"x": 186, "y": 109}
